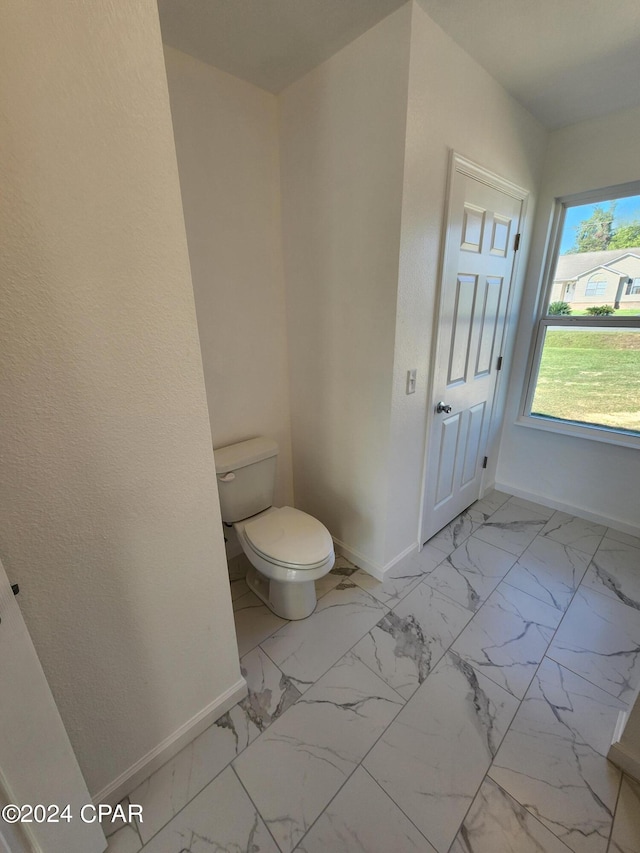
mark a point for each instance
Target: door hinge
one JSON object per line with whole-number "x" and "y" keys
{"x": 484, "y": 461}
{"x": 499, "y": 364}
{"x": 516, "y": 243}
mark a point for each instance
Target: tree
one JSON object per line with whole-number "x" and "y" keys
{"x": 595, "y": 233}
{"x": 626, "y": 236}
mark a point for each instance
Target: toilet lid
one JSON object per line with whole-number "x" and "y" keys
{"x": 288, "y": 535}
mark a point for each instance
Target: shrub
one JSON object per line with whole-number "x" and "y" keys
{"x": 601, "y": 310}
{"x": 559, "y": 308}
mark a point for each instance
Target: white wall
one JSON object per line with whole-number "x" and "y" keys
{"x": 108, "y": 510}
{"x": 453, "y": 104}
{"x": 226, "y": 134}
{"x": 363, "y": 197}
{"x": 342, "y": 155}
{"x": 588, "y": 476}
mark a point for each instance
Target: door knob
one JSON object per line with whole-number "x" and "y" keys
{"x": 442, "y": 408}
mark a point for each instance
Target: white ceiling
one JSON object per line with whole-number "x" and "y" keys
{"x": 270, "y": 43}
{"x": 564, "y": 60}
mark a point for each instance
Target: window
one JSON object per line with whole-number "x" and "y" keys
{"x": 595, "y": 287}
{"x": 584, "y": 376}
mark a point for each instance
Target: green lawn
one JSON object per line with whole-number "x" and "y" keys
{"x": 590, "y": 376}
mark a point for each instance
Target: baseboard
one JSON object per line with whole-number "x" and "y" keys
{"x": 358, "y": 559}
{"x": 170, "y": 746}
{"x": 627, "y": 761}
{"x": 624, "y": 751}
{"x": 401, "y": 558}
{"x": 486, "y": 488}
{"x": 376, "y": 570}
{"x": 581, "y": 512}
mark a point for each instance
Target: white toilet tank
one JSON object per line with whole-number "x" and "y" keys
{"x": 246, "y": 474}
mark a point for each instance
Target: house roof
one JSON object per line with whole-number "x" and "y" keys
{"x": 606, "y": 267}
{"x": 572, "y": 266}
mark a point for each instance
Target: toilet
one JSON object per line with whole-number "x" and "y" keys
{"x": 288, "y": 549}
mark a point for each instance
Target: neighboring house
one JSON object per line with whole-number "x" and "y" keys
{"x": 599, "y": 278}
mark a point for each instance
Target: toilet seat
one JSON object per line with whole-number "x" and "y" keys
{"x": 290, "y": 538}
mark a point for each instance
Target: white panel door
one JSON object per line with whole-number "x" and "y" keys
{"x": 37, "y": 763}
{"x": 484, "y": 214}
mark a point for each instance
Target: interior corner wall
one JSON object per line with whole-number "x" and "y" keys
{"x": 226, "y": 134}
{"x": 582, "y": 475}
{"x": 342, "y": 132}
{"x": 109, "y": 517}
{"x": 454, "y": 104}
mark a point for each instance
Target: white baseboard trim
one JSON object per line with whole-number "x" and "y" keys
{"x": 581, "y": 512}
{"x": 369, "y": 566}
{"x": 627, "y": 760}
{"x": 170, "y": 746}
{"x": 402, "y": 557}
{"x": 624, "y": 751}
{"x": 359, "y": 560}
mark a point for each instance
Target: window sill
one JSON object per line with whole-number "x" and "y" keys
{"x": 575, "y": 430}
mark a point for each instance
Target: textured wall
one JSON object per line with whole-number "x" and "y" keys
{"x": 603, "y": 477}
{"x": 226, "y": 136}
{"x": 365, "y": 148}
{"x": 342, "y": 132}
{"x": 108, "y": 509}
{"x": 453, "y": 104}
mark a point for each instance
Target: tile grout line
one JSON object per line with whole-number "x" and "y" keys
{"x": 258, "y": 812}
{"x": 182, "y": 808}
{"x": 401, "y": 707}
{"x": 544, "y": 657}
{"x": 473, "y": 615}
{"x": 385, "y": 605}
{"x": 447, "y": 650}
{"x": 397, "y": 805}
{"x": 585, "y": 679}
{"x": 137, "y": 828}
{"x": 614, "y": 812}
{"x": 510, "y": 795}
{"x": 258, "y": 645}
{"x": 601, "y": 595}
{"x": 404, "y": 701}
{"x": 348, "y": 651}
{"x": 206, "y": 785}
{"x": 348, "y": 777}
{"x": 313, "y": 683}
{"x": 520, "y": 701}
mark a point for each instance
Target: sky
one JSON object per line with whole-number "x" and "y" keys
{"x": 627, "y": 209}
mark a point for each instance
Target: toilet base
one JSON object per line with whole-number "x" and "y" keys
{"x": 289, "y": 600}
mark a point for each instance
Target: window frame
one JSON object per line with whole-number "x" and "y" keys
{"x": 598, "y": 284}
{"x": 542, "y": 321}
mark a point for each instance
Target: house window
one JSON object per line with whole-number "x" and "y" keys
{"x": 595, "y": 287}
{"x": 584, "y": 376}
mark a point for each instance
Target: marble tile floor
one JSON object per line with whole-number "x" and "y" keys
{"x": 465, "y": 705}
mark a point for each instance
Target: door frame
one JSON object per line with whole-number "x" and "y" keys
{"x": 458, "y": 164}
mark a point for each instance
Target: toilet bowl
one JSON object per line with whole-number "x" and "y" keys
{"x": 288, "y": 549}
